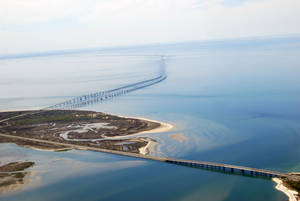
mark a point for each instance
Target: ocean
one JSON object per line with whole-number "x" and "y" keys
{"x": 230, "y": 101}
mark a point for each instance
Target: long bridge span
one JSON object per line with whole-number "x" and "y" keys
{"x": 97, "y": 97}
{"x": 220, "y": 167}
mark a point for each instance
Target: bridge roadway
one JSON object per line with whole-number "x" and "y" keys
{"x": 225, "y": 168}
{"x": 97, "y": 97}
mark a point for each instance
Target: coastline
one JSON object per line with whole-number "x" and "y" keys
{"x": 16, "y": 110}
{"x": 292, "y": 195}
{"x": 50, "y": 149}
{"x": 163, "y": 127}
{"x": 148, "y": 148}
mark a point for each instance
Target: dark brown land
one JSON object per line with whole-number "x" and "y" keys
{"x": 13, "y": 173}
{"x": 30, "y": 144}
{"x": 16, "y": 166}
{"x": 82, "y": 128}
{"x": 292, "y": 181}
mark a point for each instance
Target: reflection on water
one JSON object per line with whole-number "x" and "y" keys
{"x": 234, "y": 104}
{"x": 78, "y": 175}
{"x": 57, "y": 78}
{"x": 52, "y": 167}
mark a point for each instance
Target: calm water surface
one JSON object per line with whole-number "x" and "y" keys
{"x": 234, "y": 102}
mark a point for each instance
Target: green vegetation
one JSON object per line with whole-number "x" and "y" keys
{"x": 49, "y": 119}
{"x": 293, "y": 184}
{"x": 28, "y": 129}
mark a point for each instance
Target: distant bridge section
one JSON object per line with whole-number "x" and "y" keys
{"x": 100, "y": 96}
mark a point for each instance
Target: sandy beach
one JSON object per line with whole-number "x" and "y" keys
{"x": 149, "y": 147}
{"x": 16, "y": 110}
{"x": 163, "y": 126}
{"x": 293, "y": 195}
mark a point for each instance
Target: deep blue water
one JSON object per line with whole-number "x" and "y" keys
{"x": 235, "y": 102}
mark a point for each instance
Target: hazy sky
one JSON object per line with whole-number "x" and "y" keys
{"x": 39, "y": 25}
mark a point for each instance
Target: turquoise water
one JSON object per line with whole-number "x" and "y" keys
{"x": 234, "y": 101}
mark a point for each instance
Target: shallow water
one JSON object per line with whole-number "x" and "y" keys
{"x": 235, "y": 104}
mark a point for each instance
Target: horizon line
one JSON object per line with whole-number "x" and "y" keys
{"x": 146, "y": 45}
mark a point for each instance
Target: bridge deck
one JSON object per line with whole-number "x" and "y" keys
{"x": 202, "y": 164}
{"x": 92, "y": 98}
{"x": 227, "y": 167}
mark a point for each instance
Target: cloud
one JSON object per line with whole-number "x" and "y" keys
{"x": 33, "y": 25}
{"x": 232, "y": 3}
{"x": 33, "y": 11}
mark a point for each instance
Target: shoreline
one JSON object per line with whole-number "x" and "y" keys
{"x": 21, "y": 110}
{"x": 292, "y": 195}
{"x": 148, "y": 148}
{"x": 163, "y": 127}
{"x": 50, "y": 149}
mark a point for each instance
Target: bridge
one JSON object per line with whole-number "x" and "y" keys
{"x": 226, "y": 168}
{"x": 100, "y": 96}
{"x": 220, "y": 167}
{"x": 92, "y": 98}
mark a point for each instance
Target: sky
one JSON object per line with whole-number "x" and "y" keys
{"x": 43, "y": 25}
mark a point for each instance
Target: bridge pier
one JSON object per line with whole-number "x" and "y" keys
{"x": 226, "y": 168}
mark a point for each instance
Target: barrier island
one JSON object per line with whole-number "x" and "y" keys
{"x": 75, "y": 127}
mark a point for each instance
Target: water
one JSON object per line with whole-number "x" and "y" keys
{"x": 234, "y": 101}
